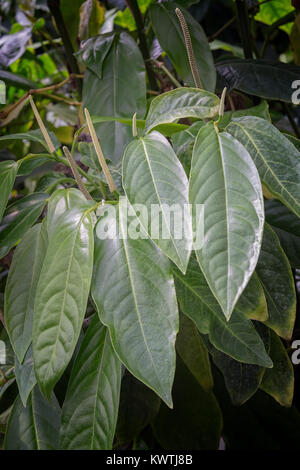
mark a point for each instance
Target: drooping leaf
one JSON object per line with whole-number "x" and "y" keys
{"x": 193, "y": 352}
{"x": 32, "y": 136}
{"x": 63, "y": 286}
{"x": 108, "y": 61}
{"x": 287, "y": 228}
{"x": 241, "y": 380}
{"x": 138, "y": 406}
{"x": 181, "y": 103}
{"x": 269, "y": 80}
{"x": 134, "y": 292}
{"x": 195, "y": 423}
{"x": 8, "y": 172}
{"x": 154, "y": 177}
{"x": 25, "y": 376}
{"x": 18, "y": 218}
{"x": 276, "y": 277}
{"x": 279, "y": 381}
{"x": 276, "y": 158}
{"x": 225, "y": 181}
{"x": 237, "y": 337}
{"x": 170, "y": 36}
{"x": 35, "y": 427}
{"x": 90, "y": 409}
{"x": 253, "y": 303}
{"x": 21, "y": 287}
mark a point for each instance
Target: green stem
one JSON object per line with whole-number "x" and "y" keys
{"x": 167, "y": 72}
{"x": 284, "y": 20}
{"x": 243, "y": 20}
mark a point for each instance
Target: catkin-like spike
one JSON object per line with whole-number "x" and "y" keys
{"x": 42, "y": 126}
{"x": 189, "y": 48}
{"x": 110, "y": 181}
{"x": 76, "y": 174}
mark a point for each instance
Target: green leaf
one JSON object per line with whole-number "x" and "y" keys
{"x": 276, "y": 277}
{"x": 25, "y": 376}
{"x": 294, "y": 140}
{"x": 134, "y": 292}
{"x": 18, "y": 81}
{"x": 18, "y": 218}
{"x": 225, "y": 181}
{"x": 153, "y": 176}
{"x": 32, "y": 136}
{"x": 127, "y": 72}
{"x": 170, "y": 36}
{"x": 279, "y": 381}
{"x": 242, "y": 380}
{"x": 8, "y": 173}
{"x": 269, "y": 80}
{"x": 63, "y": 287}
{"x": 253, "y": 303}
{"x": 237, "y": 337}
{"x": 276, "y": 158}
{"x": 27, "y": 165}
{"x": 183, "y": 144}
{"x": 21, "y": 287}
{"x": 71, "y": 15}
{"x": 90, "y": 409}
{"x": 195, "y": 423}
{"x": 270, "y": 12}
{"x": 181, "y": 103}
{"x": 287, "y": 228}
{"x": 193, "y": 352}
{"x": 138, "y": 406}
{"x": 261, "y": 110}
{"x": 35, "y": 427}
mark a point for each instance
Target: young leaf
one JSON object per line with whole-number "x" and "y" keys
{"x": 195, "y": 423}
{"x": 279, "y": 381}
{"x": 134, "y": 292}
{"x": 224, "y": 179}
{"x": 153, "y": 176}
{"x": 35, "y": 427}
{"x": 276, "y": 277}
{"x": 25, "y": 376}
{"x": 138, "y": 406}
{"x": 193, "y": 352}
{"x": 181, "y": 103}
{"x": 170, "y": 36}
{"x": 63, "y": 286}
{"x": 276, "y": 158}
{"x": 18, "y": 218}
{"x": 90, "y": 409}
{"x": 21, "y": 286}
{"x": 8, "y": 172}
{"x": 287, "y": 228}
{"x": 237, "y": 337}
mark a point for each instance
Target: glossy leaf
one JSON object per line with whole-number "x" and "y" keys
{"x": 225, "y": 181}
{"x": 193, "y": 352}
{"x": 18, "y": 218}
{"x": 21, "y": 287}
{"x": 109, "y": 54}
{"x": 181, "y": 103}
{"x": 143, "y": 321}
{"x": 237, "y": 337}
{"x": 138, "y": 407}
{"x": 261, "y": 110}
{"x": 35, "y": 427}
{"x": 195, "y": 423}
{"x": 63, "y": 286}
{"x": 32, "y": 136}
{"x": 153, "y": 175}
{"x": 268, "y": 80}
{"x": 90, "y": 409}
{"x": 26, "y": 166}
{"x": 25, "y": 376}
{"x": 169, "y": 34}
{"x": 8, "y": 172}
{"x": 276, "y": 158}
{"x": 279, "y": 381}
{"x": 276, "y": 277}
{"x": 287, "y": 228}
